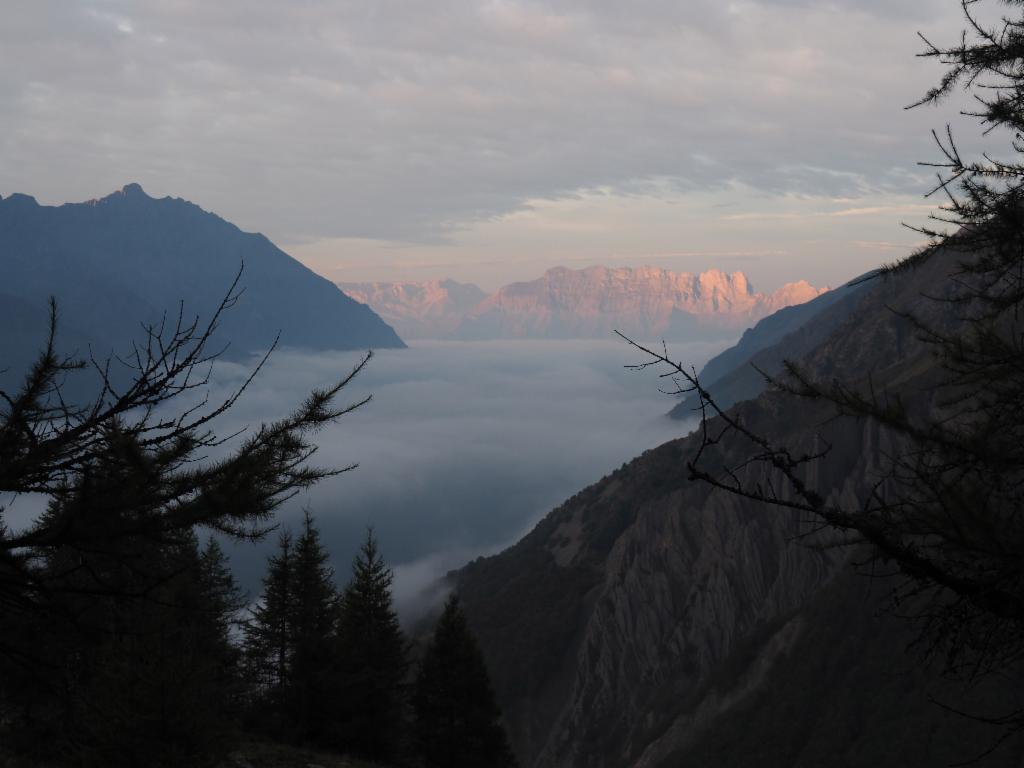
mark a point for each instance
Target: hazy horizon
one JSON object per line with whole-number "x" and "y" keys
{"x": 488, "y": 141}
{"x": 727, "y": 263}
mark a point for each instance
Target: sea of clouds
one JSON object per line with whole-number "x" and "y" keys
{"x": 462, "y": 449}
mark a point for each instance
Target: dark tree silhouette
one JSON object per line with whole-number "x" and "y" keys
{"x": 457, "y": 719}
{"x": 948, "y": 506}
{"x": 269, "y": 632}
{"x": 48, "y": 445}
{"x": 290, "y": 641}
{"x": 115, "y": 640}
{"x": 125, "y": 668}
{"x": 372, "y": 655}
{"x": 314, "y": 684}
{"x": 222, "y": 605}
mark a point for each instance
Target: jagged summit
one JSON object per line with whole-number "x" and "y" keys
{"x": 20, "y": 199}
{"x": 429, "y": 309}
{"x": 132, "y": 189}
{"x": 646, "y": 302}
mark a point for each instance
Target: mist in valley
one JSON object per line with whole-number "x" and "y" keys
{"x": 463, "y": 448}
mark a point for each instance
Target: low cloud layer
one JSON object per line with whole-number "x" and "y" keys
{"x": 464, "y": 446}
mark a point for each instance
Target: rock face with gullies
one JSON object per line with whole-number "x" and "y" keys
{"x": 738, "y": 373}
{"x": 650, "y": 621}
{"x": 643, "y": 302}
{"x": 128, "y": 259}
{"x": 426, "y": 310}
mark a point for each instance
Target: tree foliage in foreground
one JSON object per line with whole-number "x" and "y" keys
{"x": 290, "y": 640}
{"x": 119, "y": 642}
{"x": 948, "y": 507}
{"x": 115, "y": 646}
{"x": 457, "y": 719}
{"x": 372, "y": 652}
{"x": 332, "y": 669}
{"x": 52, "y": 446}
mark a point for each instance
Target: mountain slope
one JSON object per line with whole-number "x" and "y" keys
{"x": 787, "y": 334}
{"x": 651, "y": 622}
{"x": 128, "y": 258}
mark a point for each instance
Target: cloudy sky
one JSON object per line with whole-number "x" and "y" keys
{"x": 387, "y": 139}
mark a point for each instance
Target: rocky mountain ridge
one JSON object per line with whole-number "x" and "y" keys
{"x": 431, "y": 309}
{"x": 738, "y": 373}
{"x": 128, "y": 258}
{"x": 645, "y": 302}
{"x": 650, "y": 621}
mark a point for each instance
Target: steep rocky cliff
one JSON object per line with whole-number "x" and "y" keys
{"x": 651, "y": 622}
{"x": 645, "y": 302}
{"x": 739, "y": 372}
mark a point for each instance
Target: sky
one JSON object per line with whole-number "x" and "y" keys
{"x": 490, "y": 140}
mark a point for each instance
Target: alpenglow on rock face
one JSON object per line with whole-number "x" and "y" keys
{"x": 128, "y": 259}
{"x": 644, "y": 302}
{"x": 427, "y": 310}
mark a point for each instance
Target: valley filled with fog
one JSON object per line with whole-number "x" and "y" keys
{"x": 464, "y": 446}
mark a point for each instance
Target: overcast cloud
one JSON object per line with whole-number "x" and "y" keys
{"x": 348, "y": 130}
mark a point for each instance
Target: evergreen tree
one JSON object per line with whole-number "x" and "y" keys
{"x": 50, "y": 443}
{"x": 313, "y": 684}
{"x": 457, "y": 718}
{"x": 223, "y": 597}
{"x": 268, "y": 633}
{"x": 221, "y": 603}
{"x": 126, "y": 644}
{"x": 116, "y": 637}
{"x": 290, "y": 640}
{"x": 372, "y": 655}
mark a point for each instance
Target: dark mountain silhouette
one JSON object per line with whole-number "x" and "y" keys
{"x": 127, "y": 258}
{"x": 736, "y": 373}
{"x": 652, "y": 622}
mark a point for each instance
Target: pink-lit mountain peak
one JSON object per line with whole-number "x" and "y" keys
{"x": 593, "y": 302}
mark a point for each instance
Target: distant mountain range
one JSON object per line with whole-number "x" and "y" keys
{"x": 427, "y": 310}
{"x": 643, "y": 302}
{"x": 126, "y": 259}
